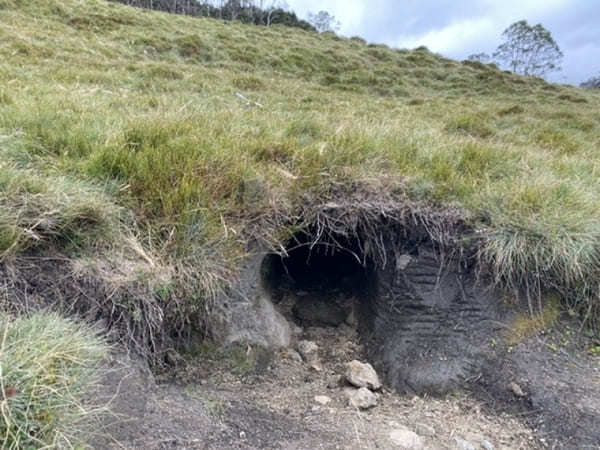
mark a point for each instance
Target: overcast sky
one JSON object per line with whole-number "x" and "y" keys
{"x": 459, "y": 28}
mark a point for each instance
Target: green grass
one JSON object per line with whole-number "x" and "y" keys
{"x": 47, "y": 373}
{"x": 126, "y": 112}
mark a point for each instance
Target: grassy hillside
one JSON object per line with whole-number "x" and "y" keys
{"x": 149, "y": 148}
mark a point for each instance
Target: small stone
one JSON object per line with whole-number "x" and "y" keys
{"x": 461, "y": 444}
{"x": 362, "y": 375}
{"x": 487, "y": 445}
{"x": 322, "y": 399}
{"x": 351, "y": 319}
{"x": 361, "y": 398}
{"x": 316, "y": 366}
{"x": 403, "y": 261}
{"x": 308, "y": 350}
{"x": 293, "y": 355}
{"x": 203, "y": 382}
{"x": 406, "y": 439}
{"x": 334, "y": 382}
{"x": 516, "y": 389}
{"x": 425, "y": 430}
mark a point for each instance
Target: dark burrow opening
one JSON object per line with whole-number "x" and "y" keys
{"x": 322, "y": 284}
{"x": 428, "y": 323}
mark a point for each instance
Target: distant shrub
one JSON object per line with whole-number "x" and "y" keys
{"x": 580, "y": 125}
{"x": 382, "y": 46}
{"x": 420, "y": 58}
{"x": 330, "y": 79}
{"x": 572, "y": 98}
{"x": 304, "y": 128}
{"x": 550, "y": 87}
{"x": 331, "y": 35}
{"x": 248, "y": 83}
{"x": 164, "y": 72}
{"x": 515, "y": 109}
{"x": 440, "y": 75}
{"x": 475, "y": 64}
{"x": 592, "y": 83}
{"x": 471, "y": 125}
{"x": 191, "y": 46}
{"x": 5, "y": 99}
{"x": 358, "y": 39}
{"x": 557, "y": 140}
{"x": 99, "y": 22}
{"x": 248, "y": 54}
{"x": 415, "y": 101}
{"x": 380, "y": 54}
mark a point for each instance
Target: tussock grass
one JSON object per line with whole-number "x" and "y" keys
{"x": 48, "y": 370}
{"x": 134, "y": 112}
{"x": 57, "y": 211}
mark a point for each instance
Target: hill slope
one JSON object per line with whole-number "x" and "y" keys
{"x": 150, "y": 149}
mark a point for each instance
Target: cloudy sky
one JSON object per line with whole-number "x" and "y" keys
{"x": 459, "y": 28}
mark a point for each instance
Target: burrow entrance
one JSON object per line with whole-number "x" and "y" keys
{"x": 422, "y": 320}
{"x": 428, "y": 322}
{"x": 320, "y": 284}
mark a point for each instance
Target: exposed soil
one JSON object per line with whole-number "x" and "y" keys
{"x": 270, "y": 404}
{"x": 246, "y": 397}
{"x": 560, "y": 381}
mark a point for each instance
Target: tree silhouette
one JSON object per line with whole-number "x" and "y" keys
{"x": 529, "y": 50}
{"x": 323, "y": 21}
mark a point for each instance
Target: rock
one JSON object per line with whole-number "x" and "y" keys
{"x": 425, "y": 430}
{"x": 308, "y": 350}
{"x": 351, "y": 319}
{"x": 316, "y": 366}
{"x": 361, "y": 398}
{"x": 258, "y": 323}
{"x": 362, "y": 375}
{"x": 461, "y": 444}
{"x": 516, "y": 389}
{"x": 293, "y": 355}
{"x": 403, "y": 261}
{"x": 322, "y": 399}
{"x": 486, "y": 445}
{"x": 406, "y": 439}
{"x": 335, "y": 382}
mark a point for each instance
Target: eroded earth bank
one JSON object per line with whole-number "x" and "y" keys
{"x": 459, "y": 368}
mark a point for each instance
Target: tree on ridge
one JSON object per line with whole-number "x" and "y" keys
{"x": 529, "y": 50}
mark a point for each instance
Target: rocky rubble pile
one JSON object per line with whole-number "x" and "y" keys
{"x": 361, "y": 388}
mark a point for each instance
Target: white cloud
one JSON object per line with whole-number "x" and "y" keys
{"x": 351, "y": 13}
{"x": 453, "y": 38}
